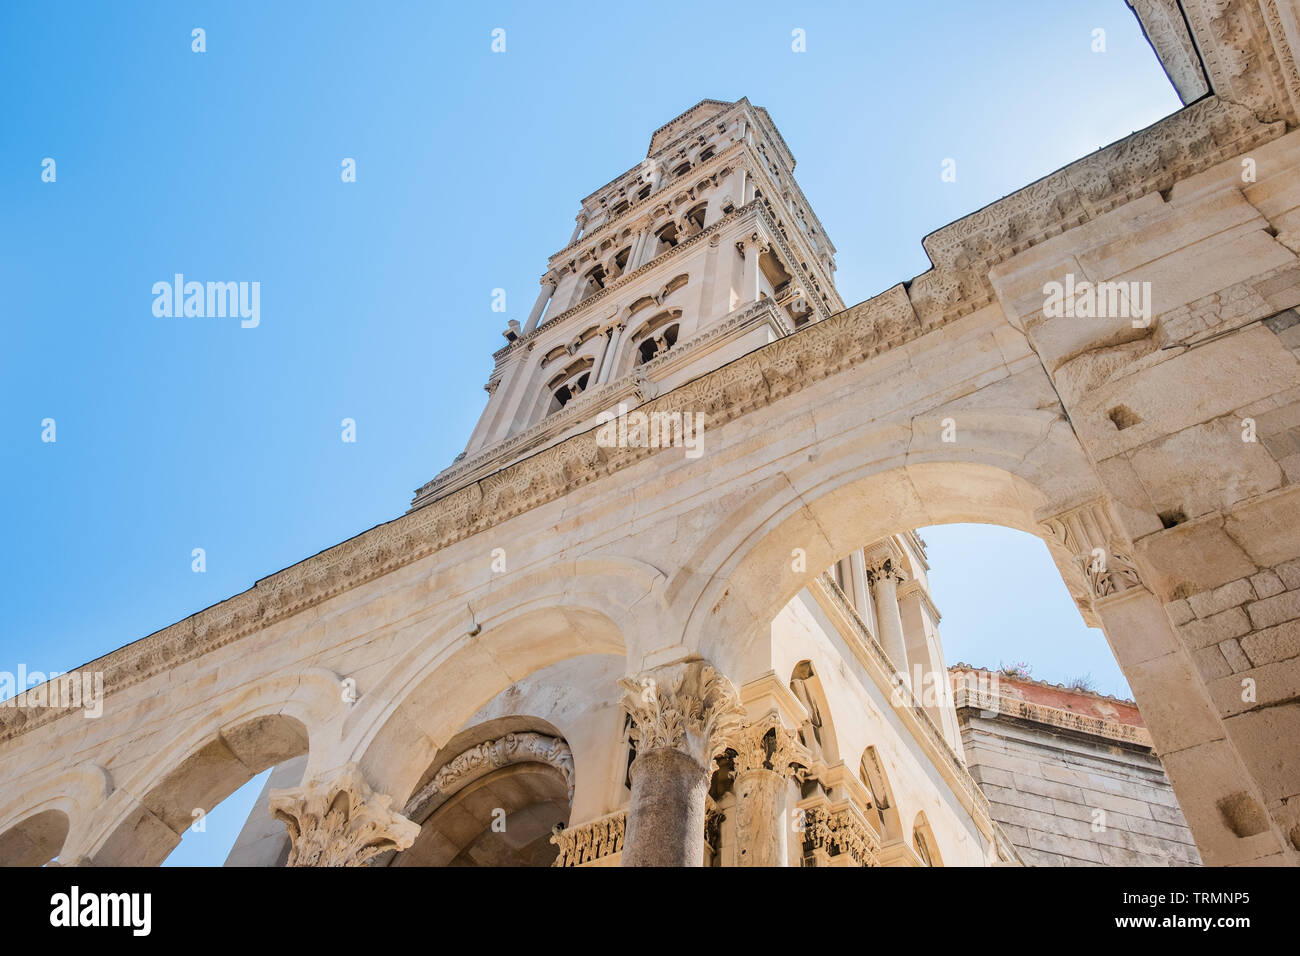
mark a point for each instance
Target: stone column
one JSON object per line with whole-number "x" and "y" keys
{"x": 335, "y": 819}
{"x": 599, "y": 364}
{"x": 749, "y": 285}
{"x": 858, "y": 576}
{"x": 580, "y": 223}
{"x": 767, "y": 755}
{"x": 639, "y": 242}
{"x": 682, "y": 716}
{"x": 548, "y": 290}
{"x": 610, "y": 358}
{"x": 885, "y": 575}
{"x": 738, "y": 196}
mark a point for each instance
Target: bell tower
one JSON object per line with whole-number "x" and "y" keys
{"x": 705, "y": 250}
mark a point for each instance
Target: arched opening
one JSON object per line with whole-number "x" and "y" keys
{"x": 656, "y": 336}
{"x": 494, "y": 798}
{"x": 882, "y": 814}
{"x": 593, "y": 281}
{"x": 35, "y": 841}
{"x": 204, "y": 778}
{"x": 694, "y": 218}
{"x": 816, "y": 733}
{"x": 923, "y": 842}
{"x": 546, "y": 619}
{"x": 570, "y": 383}
{"x": 667, "y": 237}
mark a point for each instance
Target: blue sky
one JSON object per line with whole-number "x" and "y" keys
{"x": 174, "y": 434}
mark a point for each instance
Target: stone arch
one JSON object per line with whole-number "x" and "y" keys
{"x": 852, "y": 494}
{"x": 252, "y": 729}
{"x": 817, "y": 732}
{"x": 154, "y": 824}
{"x": 923, "y": 841}
{"x": 494, "y": 796}
{"x": 49, "y": 819}
{"x": 533, "y": 621}
{"x": 883, "y": 813}
{"x": 36, "y": 840}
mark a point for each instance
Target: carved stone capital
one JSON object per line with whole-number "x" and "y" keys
{"x": 766, "y": 744}
{"x": 337, "y": 820}
{"x": 688, "y": 707}
{"x": 1101, "y": 552}
{"x": 883, "y": 561}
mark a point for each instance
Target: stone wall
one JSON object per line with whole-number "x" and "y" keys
{"x": 1071, "y": 776}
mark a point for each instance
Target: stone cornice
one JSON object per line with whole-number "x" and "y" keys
{"x": 1165, "y": 29}
{"x": 1150, "y": 160}
{"x": 1185, "y": 143}
{"x": 1004, "y": 707}
{"x": 1245, "y": 50}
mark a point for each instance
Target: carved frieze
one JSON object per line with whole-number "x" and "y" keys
{"x": 841, "y": 831}
{"x": 484, "y": 758}
{"x": 588, "y": 842}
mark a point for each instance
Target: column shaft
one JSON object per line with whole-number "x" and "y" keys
{"x": 544, "y": 296}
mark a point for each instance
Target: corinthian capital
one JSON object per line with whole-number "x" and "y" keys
{"x": 337, "y": 820}
{"x": 766, "y": 744}
{"x": 688, "y": 707}
{"x": 884, "y": 560}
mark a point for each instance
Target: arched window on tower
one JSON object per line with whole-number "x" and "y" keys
{"x": 619, "y": 262}
{"x": 594, "y": 279}
{"x": 694, "y": 220}
{"x": 570, "y": 383}
{"x": 657, "y": 336}
{"x": 668, "y": 238}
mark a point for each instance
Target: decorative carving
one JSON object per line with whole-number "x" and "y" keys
{"x": 687, "y": 707}
{"x": 337, "y": 820}
{"x": 1166, "y": 29}
{"x": 841, "y": 831}
{"x": 591, "y": 841}
{"x": 1098, "y": 548}
{"x": 884, "y": 561}
{"x": 713, "y": 818}
{"x": 766, "y": 744}
{"x": 482, "y": 759}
